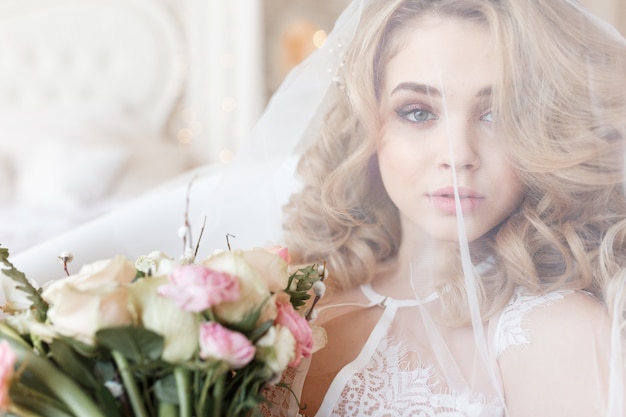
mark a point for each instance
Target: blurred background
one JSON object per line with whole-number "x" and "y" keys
{"x": 102, "y": 100}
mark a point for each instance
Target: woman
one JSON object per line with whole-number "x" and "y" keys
{"x": 463, "y": 178}
{"x": 510, "y": 114}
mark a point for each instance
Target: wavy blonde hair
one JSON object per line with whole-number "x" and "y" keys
{"x": 559, "y": 102}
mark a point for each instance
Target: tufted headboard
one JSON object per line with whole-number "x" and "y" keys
{"x": 87, "y": 92}
{"x": 124, "y": 53}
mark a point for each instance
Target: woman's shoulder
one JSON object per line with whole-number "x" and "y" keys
{"x": 559, "y": 345}
{"x": 530, "y": 318}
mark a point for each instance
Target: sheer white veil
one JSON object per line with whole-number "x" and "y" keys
{"x": 245, "y": 199}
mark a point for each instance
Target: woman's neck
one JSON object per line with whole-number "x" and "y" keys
{"x": 421, "y": 269}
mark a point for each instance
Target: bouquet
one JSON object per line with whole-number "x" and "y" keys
{"x": 157, "y": 336}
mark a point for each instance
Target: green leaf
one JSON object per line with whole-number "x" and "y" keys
{"x": 135, "y": 343}
{"x": 36, "y": 403}
{"x": 88, "y": 372}
{"x": 57, "y": 383}
{"x": 249, "y": 321}
{"x": 166, "y": 390}
{"x": 73, "y": 365}
{"x": 23, "y": 284}
{"x": 81, "y": 348}
{"x": 260, "y": 331}
{"x": 304, "y": 279}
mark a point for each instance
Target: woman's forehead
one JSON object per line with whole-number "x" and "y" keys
{"x": 444, "y": 53}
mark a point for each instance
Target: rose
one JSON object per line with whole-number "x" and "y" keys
{"x": 197, "y": 287}
{"x": 270, "y": 266}
{"x": 7, "y": 367}
{"x": 281, "y": 251}
{"x": 95, "y": 298}
{"x": 259, "y": 273}
{"x": 300, "y": 329}
{"x": 276, "y": 349}
{"x": 221, "y": 344}
{"x": 161, "y": 315}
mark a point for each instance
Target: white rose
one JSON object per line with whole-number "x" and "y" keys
{"x": 156, "y": 263}
{"x": 276, "y": 349}
{"x": 161, "y": 315}
{"x": 95, "y": 298}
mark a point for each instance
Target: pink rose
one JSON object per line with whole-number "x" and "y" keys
{"x": 197, "y": 287}
{"x": 222, "y": 344}
{"x": 259, "y": 274}
{"x": 7, "y": 366}
{"x": 300, "y": 329}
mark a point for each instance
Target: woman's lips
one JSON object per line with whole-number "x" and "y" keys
{"x": 444, "y": 201}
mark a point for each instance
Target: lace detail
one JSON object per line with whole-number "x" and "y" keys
{"x": 278, "y": 398}
{"x": 386, "y": 387}
{"x": 510, "y": 331}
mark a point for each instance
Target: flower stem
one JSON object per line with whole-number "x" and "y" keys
{"x": 205, "y": 388}
{"x": 218, "y": 394}
{"x": 28, "y": 402}
{"x": 182, "y": 387}
{"x": 167, "y": 410}
{"x": 130, "y": 384}
{"x": 66, "y": 390}
{"x": 22, "y": 412}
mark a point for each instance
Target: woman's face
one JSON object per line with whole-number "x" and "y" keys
{"x": 438, "y": 136}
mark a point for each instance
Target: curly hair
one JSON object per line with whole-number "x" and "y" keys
{"x": 560, "y": 105}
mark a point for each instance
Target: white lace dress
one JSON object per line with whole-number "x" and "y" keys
{"x": 390, "y": 377}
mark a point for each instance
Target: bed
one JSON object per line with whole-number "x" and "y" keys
{"x": 88, "y": 92}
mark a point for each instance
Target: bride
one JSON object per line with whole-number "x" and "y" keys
{"x": 461, "y": 172}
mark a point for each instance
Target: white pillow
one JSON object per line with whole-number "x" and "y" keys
{"x": 64, "y": 174}
{"x": 150, "y": 164}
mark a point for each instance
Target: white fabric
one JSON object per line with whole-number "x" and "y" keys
{"x": 382, "y": 379}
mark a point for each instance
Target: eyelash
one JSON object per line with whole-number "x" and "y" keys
{"x": 404, "y": 113}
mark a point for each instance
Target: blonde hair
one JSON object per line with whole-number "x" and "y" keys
{"x": 560, "y": 106}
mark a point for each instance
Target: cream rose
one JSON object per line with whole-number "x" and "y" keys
{"x": 259, "y": 273}
{"x": 276, "y": 349}
{"x": 161, "y": 315}
{"x": 95, "y": 298}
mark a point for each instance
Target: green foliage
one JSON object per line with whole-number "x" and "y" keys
{"x": 23, "y": 284}
{"x": 300, "y": 283}
{"x": 137, "y": 344}
{"x": 123, "y": 374}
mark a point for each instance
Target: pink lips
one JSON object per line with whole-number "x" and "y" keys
{"x": 443, "y": 200}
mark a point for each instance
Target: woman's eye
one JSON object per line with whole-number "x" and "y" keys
{"x": 418, "y": 115}
{"x": 487, "y": 117}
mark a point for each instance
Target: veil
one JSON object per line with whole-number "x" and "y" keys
{"x": 518, "y": 312}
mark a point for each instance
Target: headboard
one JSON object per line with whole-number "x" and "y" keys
{"x": 87, "y": 92}
{"x": 124, "y": 53}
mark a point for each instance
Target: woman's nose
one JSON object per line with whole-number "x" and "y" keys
{"x": 459, "y": 149}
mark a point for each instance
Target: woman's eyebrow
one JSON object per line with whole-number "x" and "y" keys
{"x": 432, "y": 91}
{"x": 417, "y": 88}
